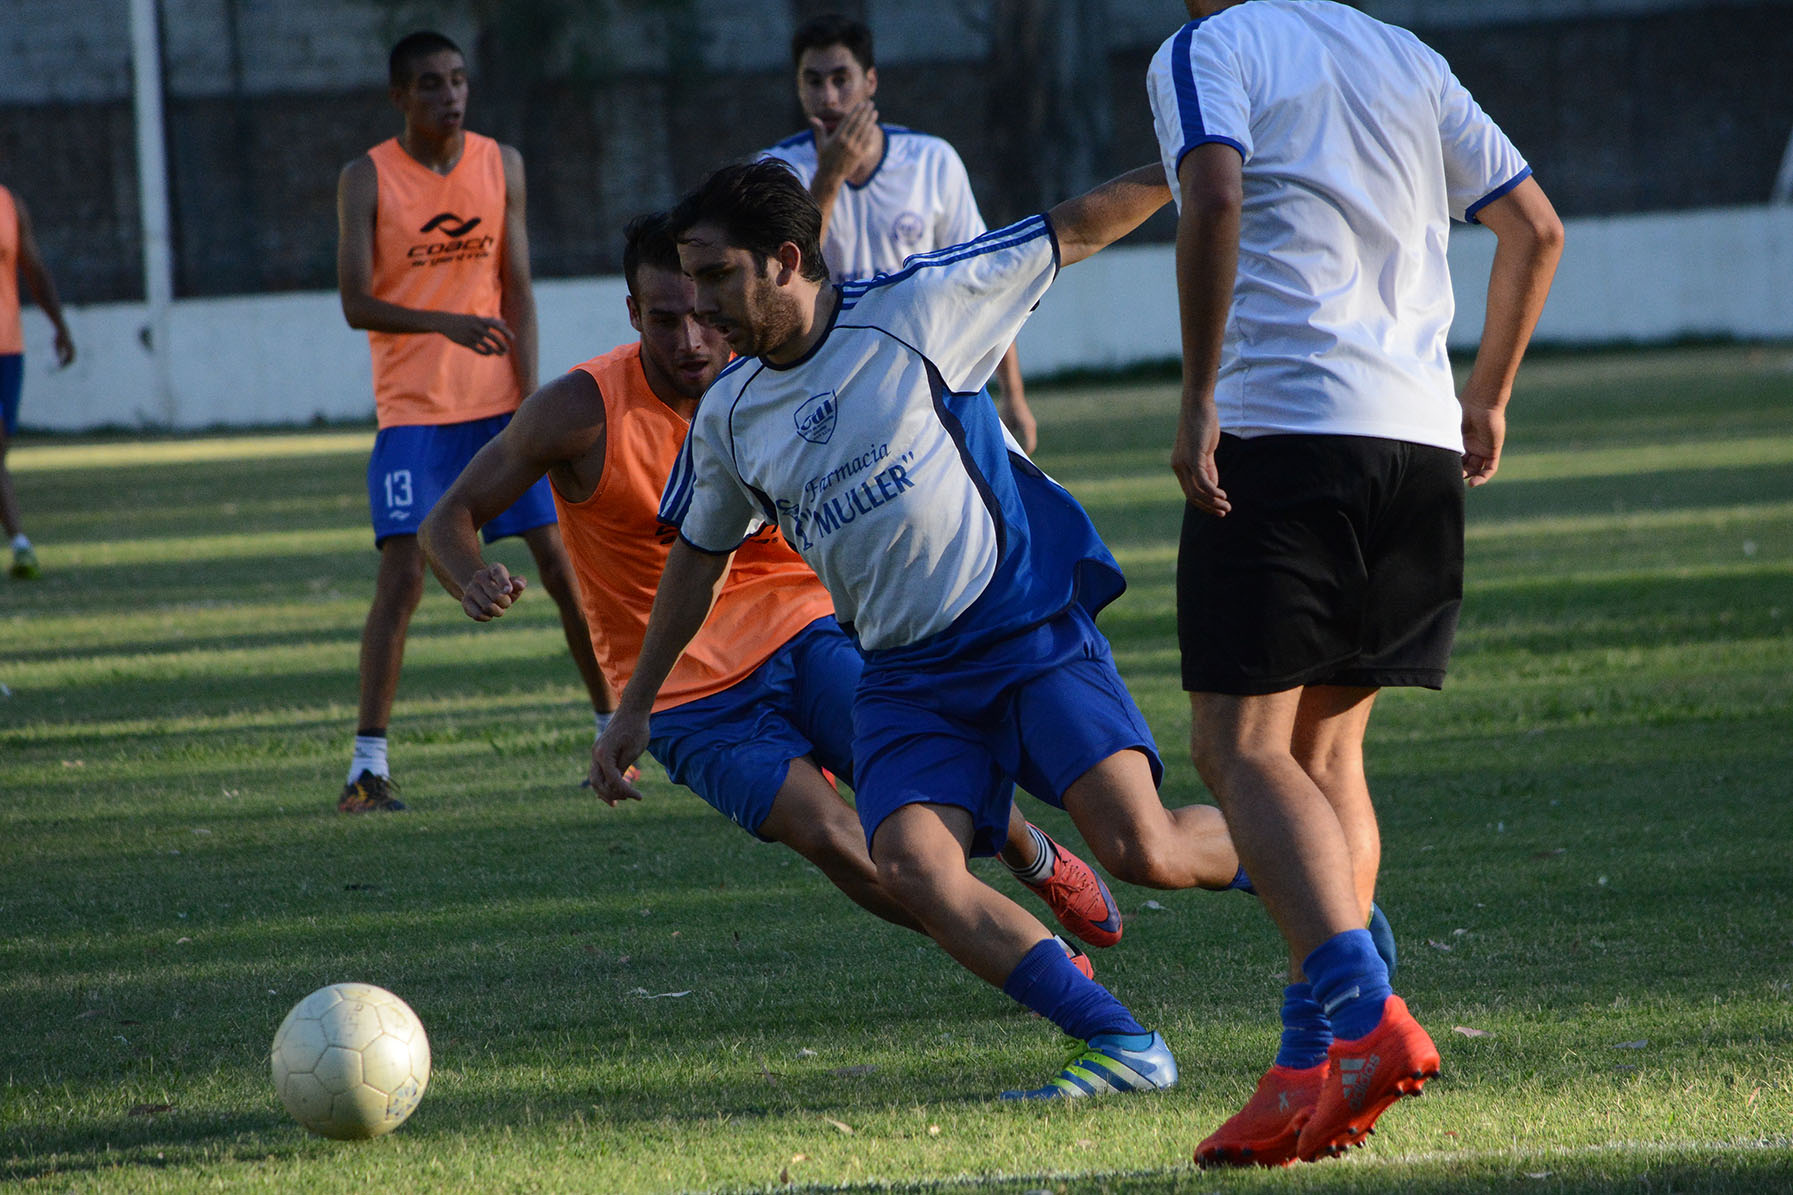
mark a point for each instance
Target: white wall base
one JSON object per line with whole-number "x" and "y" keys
{"x": 290, "y": 359}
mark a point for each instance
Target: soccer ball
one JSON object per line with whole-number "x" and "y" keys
{"x": 351, "y": 1061}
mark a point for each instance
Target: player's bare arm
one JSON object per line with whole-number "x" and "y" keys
{"x": 1529, "y": 245}
{"x": 1099, "y": 217}
{"x": 357, "y": 202}
{"x": 518, "y": 302}
{"x": 687, "y": 590}
{"x": 1210, "y": 178}
{"x": 558, "y": 432}
{"x": 41, "y": 285}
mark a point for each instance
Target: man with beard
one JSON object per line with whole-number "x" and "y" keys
{"x": 854, "y": 418}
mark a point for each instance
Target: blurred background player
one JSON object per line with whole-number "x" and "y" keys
{"x": 433, "y": 261}
{"x": 1324, "y": 450}
{"x": 885, "y": 192}
{"x": 19, "y": 258}
{"x": 762, "y": 699}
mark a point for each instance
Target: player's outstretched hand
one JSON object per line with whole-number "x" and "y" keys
{"x": 487, "y": 337}
{"x": 1192, "y": 458}
{"x": 490, "y": 592}
{"x": 65, "y": 349}
{"x": 620, "y": 745}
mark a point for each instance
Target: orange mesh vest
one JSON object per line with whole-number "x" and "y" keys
{"x": 12, "y": 334}
{"x": 438, "y": 245}
{"x": 619, "y": 546}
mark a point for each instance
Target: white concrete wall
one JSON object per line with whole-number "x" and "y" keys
{"x": 289, "y": 359}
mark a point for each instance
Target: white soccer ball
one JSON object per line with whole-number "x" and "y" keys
{"x": 351, "y": 1061}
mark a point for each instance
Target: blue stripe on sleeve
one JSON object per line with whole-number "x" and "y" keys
{"x": 1182, "y": 77}
{"x": 1018, "y": 233}
{"x": 1491, "y": 196}
{"x": 1189, "y": 103}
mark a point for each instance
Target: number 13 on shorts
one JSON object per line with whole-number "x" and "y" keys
{"x": 398, "y": 489}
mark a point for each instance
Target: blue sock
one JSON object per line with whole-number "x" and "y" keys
{"x": 1305, "y": 1030}
{"x": 1046, "y": 982}
{"x": 1243, "y": 883}
{"x": 1350, "y": 982}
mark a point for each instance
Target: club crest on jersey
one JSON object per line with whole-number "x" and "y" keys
{"x": 908, "y": 228}
{"x": 815, "y": 418}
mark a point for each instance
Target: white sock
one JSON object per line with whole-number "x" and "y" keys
{"x": 370, "y": 756}
{"x": 1044, "y": 862}
{"x": 20, "y": 543}
{"x": 602, "y": 718}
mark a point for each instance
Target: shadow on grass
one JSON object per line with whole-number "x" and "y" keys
{"x": 1663, "y": 489}
{"x": 221, "y": 693}
{"x": 1730, "y": 1171}
{"x": 172, "y": 1141}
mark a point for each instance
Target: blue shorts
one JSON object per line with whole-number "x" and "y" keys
{"x": 1039, "y": 710}
{"x": 412, "y": 466}
{"x": 12, "y": 380}
{"x": 734, "y": 748}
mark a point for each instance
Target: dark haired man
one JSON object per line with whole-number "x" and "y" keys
{"x": 762, "y": 699}
{"x": 886, "y": 192}
{"x": 1318, "y": 156}
{"x": 433, "y": 261}
{"x": 854, "y": 419}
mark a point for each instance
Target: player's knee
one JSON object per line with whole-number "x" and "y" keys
{"x": 910, "y": 878}
{"x": 828, "y": 842}
{"x": 1224, "y": 760}
{"x": 1150, "y": 860}
{"x": 1211, "y": 753}
{"x": 1336, "y": 770}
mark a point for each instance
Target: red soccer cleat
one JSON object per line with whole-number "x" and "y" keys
{"x": 1264, "y": 1132}
{"x": 1079, "y": 899}
{"x": 1367, "y": 1075}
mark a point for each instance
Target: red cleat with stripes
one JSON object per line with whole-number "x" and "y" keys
{"x": 1364, "y": 1078}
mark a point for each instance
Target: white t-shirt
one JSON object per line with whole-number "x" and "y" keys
{"x": 1359, "y": 147}
{"x": 918, "y": 199}
{"x": 887, "y": 469}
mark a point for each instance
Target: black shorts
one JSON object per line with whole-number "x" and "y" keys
{"x": 1341, "y": 563}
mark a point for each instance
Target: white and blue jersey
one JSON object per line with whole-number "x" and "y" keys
{"x": 1359, "y": 147}
{"x": 887, "y": 469}
{"x": 917, "y": 199}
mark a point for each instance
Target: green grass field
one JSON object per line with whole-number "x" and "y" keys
{"x": 1586, "y": 854}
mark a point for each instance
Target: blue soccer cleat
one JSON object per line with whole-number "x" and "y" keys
{"x": 1102, "y": 1065}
